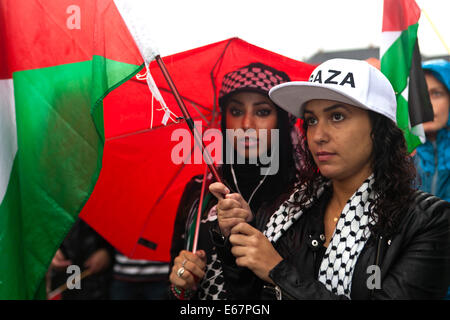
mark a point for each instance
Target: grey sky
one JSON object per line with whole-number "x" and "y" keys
{"x": 294, "y": 28}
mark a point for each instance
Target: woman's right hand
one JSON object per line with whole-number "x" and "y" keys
{"x": 194, "y": 269}
{"x": 231, "y": 208}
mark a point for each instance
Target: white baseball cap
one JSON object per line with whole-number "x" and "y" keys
{"x": 353, "y": 82}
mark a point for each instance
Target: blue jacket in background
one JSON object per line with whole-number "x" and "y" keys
{"x": 433, "y": 157}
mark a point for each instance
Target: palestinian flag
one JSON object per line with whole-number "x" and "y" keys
{"x": 58, "y": 60}
{"x": 401, "y": 63}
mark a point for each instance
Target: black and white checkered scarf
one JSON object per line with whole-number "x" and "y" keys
{"x": 349, "y": 238}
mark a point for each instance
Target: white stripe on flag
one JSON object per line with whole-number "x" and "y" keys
{"x": 418, "y": 129}
{"x": 405, "y": 92}
{"x": 387, "y": 39}
{"x": 8, "y": 133}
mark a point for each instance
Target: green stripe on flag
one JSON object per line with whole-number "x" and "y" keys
{"x": 12, "y": 270}
{"x": 396, "y": 65}
{"x": 396, "y": 62}
{"x": 60, "y": 133}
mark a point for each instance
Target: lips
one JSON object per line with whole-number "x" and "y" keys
{"x": 248, "y": 142}
{"x": 324, "y": 156}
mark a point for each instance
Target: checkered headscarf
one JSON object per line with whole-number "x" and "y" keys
{"x": 255, "y": 77}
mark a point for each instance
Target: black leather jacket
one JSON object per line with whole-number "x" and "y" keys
{"x": 414, "y": 264}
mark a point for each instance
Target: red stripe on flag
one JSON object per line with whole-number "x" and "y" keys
{"x": 38, "y": 34}
{"x": 4, "y": 68}
{"x": 398, "y": 15}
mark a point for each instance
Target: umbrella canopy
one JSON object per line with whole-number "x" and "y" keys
{"x": 135, "y": 199}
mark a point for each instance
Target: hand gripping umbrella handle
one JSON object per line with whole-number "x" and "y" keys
{"x": 188, "y": 118}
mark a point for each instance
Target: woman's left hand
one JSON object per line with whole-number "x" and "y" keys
{"x": 253, "y": 250}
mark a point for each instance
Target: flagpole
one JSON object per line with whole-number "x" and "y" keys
{"x": 436, "y": 31}
{"x": 63, "y": 287}
{"x": 188, "y": 118}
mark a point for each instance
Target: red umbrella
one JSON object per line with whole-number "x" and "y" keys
{"x": 135, "y": 199}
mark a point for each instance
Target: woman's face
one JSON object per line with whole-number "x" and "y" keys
{"x": 339, "y": 138}
{"x": 250, "y": 110}
{"x": 440, "y": 100}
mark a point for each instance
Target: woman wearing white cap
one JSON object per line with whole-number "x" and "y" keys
{"x": 354, "y": 228}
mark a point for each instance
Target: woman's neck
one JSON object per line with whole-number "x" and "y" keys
{"x": 343, "y": 189}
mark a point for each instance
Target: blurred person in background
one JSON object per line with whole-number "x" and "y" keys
{"x": 85, "y": 248}
{"x": 139, "y": 279}
{"x": 433, "y": 157}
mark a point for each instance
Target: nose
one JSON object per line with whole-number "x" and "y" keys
{"x": 319, "y": 133}
{"x": 248, "y": 121}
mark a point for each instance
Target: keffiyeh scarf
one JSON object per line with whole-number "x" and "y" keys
{"x": 349, "y": 238}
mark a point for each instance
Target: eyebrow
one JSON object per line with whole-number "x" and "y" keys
{"x": 333, "y": 107}
{"x": 436, "y": 88}
{"x": 235, "y": 101}
{"x": 262, "y": 102}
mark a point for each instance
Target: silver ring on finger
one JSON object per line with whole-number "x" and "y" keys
{"x": 180, "y": 272}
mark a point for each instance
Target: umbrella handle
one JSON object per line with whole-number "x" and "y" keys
{"x": 199, "y": 212}
{"x": 188, "y": 118}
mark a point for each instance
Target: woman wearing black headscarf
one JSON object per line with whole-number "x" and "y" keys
{"x": 249, "y": 117}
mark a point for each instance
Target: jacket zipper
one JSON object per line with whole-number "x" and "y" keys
{"x": 377, "y": 259}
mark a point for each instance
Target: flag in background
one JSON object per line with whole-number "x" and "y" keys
{"x": 401, "y": 63}
{"x": 58, "y": 61}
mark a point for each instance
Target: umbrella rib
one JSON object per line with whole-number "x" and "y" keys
{"x": 201, "y": 114}
{"x": 187, "y": 99}
{"x": 211, "y": 74}
{"x": 129, "y": 134}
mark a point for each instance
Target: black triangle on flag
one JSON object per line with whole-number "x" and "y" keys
{"x": 419, "y": 104}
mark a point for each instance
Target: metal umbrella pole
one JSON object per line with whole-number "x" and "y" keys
{"x": 188, "y": 118}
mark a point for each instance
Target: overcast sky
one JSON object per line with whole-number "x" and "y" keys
{"x": 294, "y": 28}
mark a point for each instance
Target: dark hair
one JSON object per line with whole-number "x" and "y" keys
{"x": 393, "y": 169}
